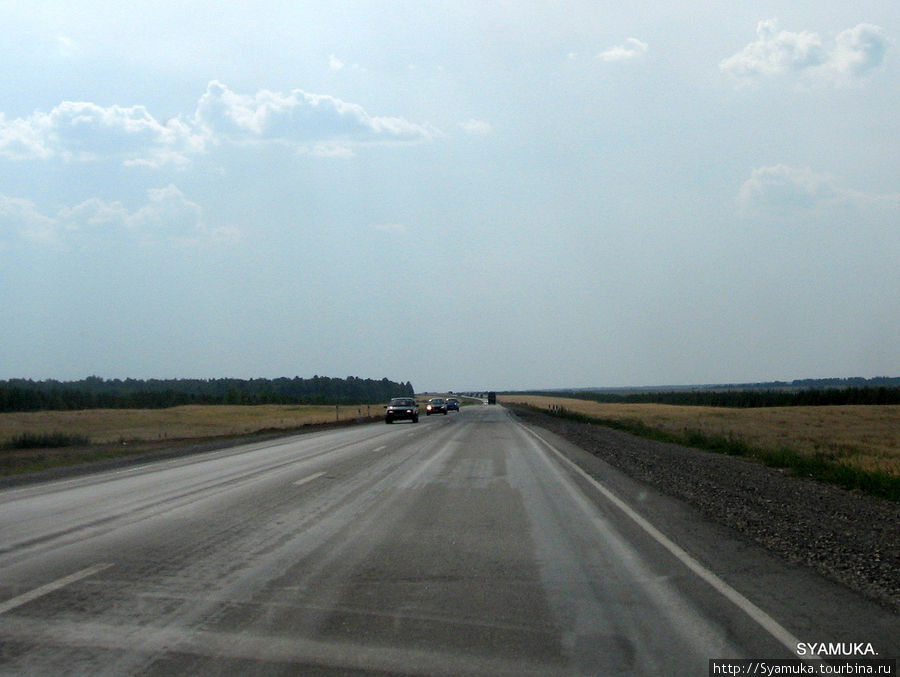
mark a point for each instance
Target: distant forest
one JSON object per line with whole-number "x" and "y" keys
{"x": 808, "y": 392}
{"x": 98, "y": 393}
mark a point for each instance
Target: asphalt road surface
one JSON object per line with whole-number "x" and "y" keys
{"x": 465, "y": 544}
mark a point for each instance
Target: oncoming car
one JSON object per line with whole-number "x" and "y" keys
{"x": 436, "y": 405}
{"x": 401, "y": 408}
{"x": 452, "y": 404}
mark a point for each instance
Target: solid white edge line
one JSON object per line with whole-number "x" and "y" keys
{"x": 768, "y": 623}
{"x": 51, "y": 587}
{"x": 308, "y": 479}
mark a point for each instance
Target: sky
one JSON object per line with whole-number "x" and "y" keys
{"x": 465, "y": 195}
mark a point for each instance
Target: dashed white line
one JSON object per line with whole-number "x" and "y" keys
{"x": 308, "y": 479}
{"x": 51, "y": 587}
{"x": 381, "y": 448}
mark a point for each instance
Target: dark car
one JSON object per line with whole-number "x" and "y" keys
{"x": 436, "y": 405}
{"x": 401, "y": 408}
{"x": 452, "y": 404}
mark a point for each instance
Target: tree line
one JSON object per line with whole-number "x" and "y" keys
{"x": 98, "y": 393}
{"x": 810, "y": 397}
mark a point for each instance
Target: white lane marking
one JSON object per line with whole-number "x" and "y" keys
{"x": 381, "y": 448}
{"x": 768, "y": 623}
{"x": 51, "y": 587}
{"x": 308, "y": 479}
{"x": 137, "y": 468}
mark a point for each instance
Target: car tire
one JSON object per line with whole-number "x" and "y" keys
{"x": 415, "y": 419}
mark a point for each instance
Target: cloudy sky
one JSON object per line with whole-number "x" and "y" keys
{"x": 460, "y": 194}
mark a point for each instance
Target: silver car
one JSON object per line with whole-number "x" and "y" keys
{"x": 401, "y": 408}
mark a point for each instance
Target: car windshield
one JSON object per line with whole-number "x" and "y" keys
{"x": 399, "y": 402}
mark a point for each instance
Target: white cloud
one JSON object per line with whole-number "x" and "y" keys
{"x": 92, "y": 216}
{"x": 167, "y": 213}
{"x": 297, "y": 117}
{"x": 86, "y": 131}
{"x": 631, "y": 49}
{"x": 166, "y": 216}
{"x": 780, "y": 186}
{"x": 82, "y": 131}
{"x": 19, "y": 217}
{"x": 25, "y": 139}
{"x": 476, "y": 127}
{"x": 318, "y": 124}
{"x": 859, "y": 50}
{"x": 332, "y": 149}
{"x": 785, "y": 189}
{"x": 334, "y": 63}
{"x": 67, "y": 46}
{"x": 776, "y": 52}
{"x": 854, "y": 53}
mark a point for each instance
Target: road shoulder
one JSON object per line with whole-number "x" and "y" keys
{"x": 775, "y": 538}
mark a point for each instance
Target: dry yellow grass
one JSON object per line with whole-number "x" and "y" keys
{"x": 189, "y": 422}
{"x": 864, "y": 437}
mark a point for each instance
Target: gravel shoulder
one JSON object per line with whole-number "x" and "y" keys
{"x": 847, "y": 537}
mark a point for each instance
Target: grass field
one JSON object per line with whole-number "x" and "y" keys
{"x": 866, "y": 438}
{"x": 102, "y": 426}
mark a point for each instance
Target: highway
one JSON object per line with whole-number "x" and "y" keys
{"x": 466, "y": 544}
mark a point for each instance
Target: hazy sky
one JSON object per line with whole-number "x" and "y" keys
{"x": 460, "y": 194}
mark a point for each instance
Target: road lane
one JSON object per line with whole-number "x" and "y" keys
{"x": 460, "y": 545}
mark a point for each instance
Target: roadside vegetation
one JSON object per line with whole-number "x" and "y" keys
{"x": 854, "y": 446}
{"x": 31, "y": 440}
{"x": 807, "y": 393}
